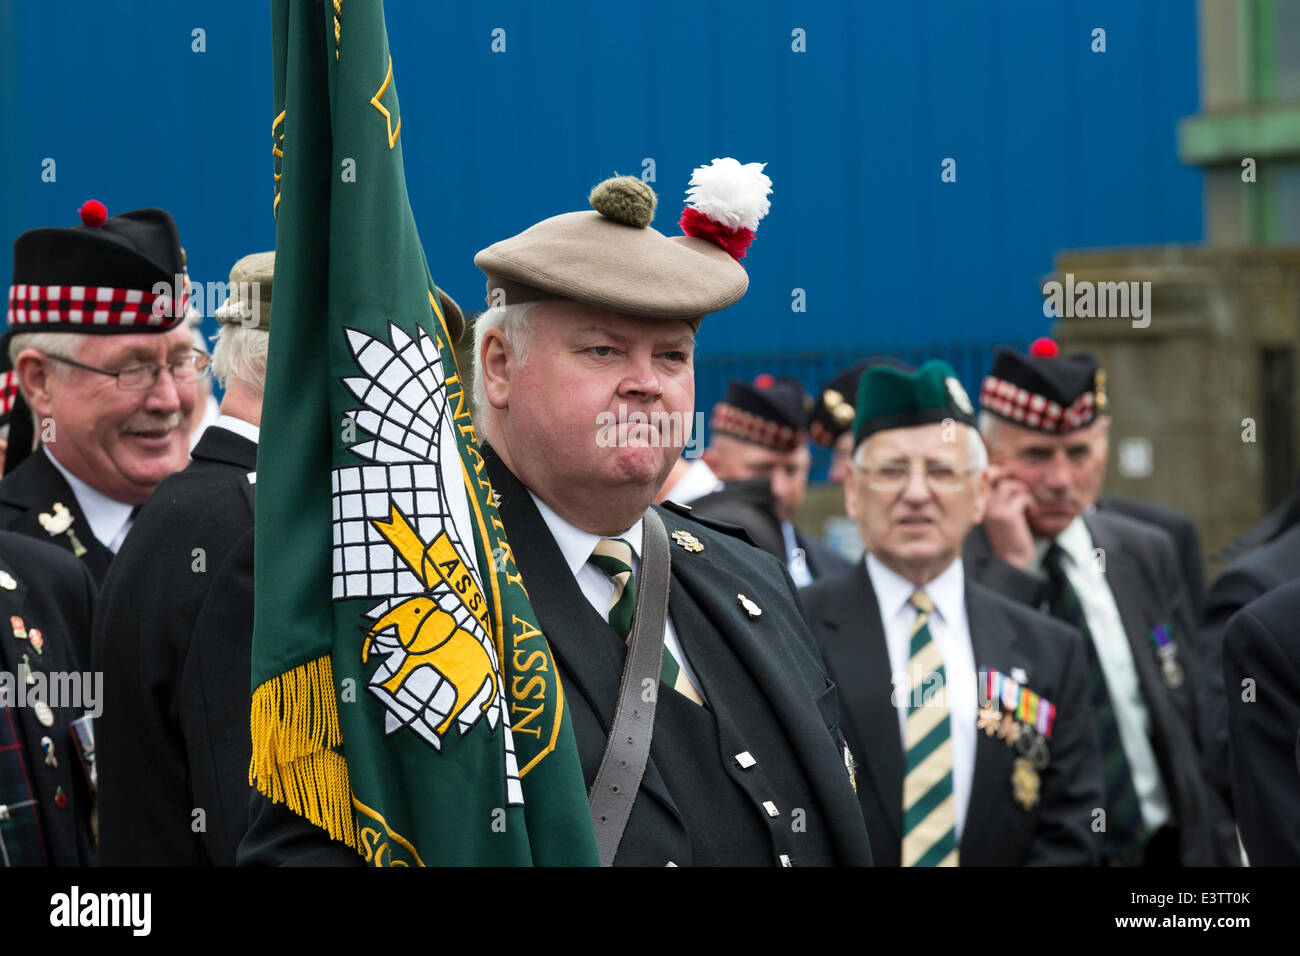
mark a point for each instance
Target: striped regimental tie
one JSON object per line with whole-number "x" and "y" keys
{"x": 929, "y": 817}
{"x": 614, "y": 557}
{"x": 1126, "y": 835}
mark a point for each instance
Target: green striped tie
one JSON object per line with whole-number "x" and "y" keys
{"x": 1126, "y": 835}
{"x": 614, "y": 557}
{"x": 929, "y": 815}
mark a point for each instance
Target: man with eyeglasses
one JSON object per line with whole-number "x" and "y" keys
{"x": 1118, "y": 582}
{"x": 966, "y": 709}
{"x": 107, "y": 373}
{"x": 173, "y": 738}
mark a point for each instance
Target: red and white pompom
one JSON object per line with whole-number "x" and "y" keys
{"x": 724, "y": 203}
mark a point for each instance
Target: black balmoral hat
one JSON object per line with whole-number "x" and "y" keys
{"x": 772, "y": 412}
{"x": 1044, "y": 390}
{"x": 99, "y": 277}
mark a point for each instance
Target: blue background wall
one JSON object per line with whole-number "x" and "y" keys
{"x": 1056, "y": 146}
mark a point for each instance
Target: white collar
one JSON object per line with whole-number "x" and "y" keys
{"x": 1075, "y": 541}
{"x": 105, "y": 515}
{"x": 237, "y": 425}
{"x": 893, "y": 591}
{"x": 575, "y": 544}
{"x": 698, "y": 481}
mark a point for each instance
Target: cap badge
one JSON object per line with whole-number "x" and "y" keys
{"x": 959, "y": 396}
{"x": 752, "y": 609}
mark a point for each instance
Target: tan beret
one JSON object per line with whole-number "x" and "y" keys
{"x": 452, "y": 313}
{"x": 612, "y": 258}
{"x": 249, "y": 302}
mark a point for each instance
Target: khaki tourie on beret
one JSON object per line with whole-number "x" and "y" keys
{"x": 611, "y": 258}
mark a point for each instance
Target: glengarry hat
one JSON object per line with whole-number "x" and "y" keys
{"x": 772, "y": 412}
{"x": 895, "y": 396}
{"x": 1044, "y": 390}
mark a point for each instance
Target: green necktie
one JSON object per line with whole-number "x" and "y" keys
{"x": 614, "y": 557}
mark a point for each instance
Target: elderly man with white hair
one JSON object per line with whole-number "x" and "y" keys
{"x": 106, "y": 366}
{"x": 967, "y": 710}
{"x": 174, "y": 733}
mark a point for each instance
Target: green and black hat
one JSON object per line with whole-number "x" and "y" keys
{"x": 900, "y": 397}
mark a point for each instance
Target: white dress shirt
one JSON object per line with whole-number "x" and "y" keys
{"x": 1116, "y": 659}
{"x": 109, "y": 520}
{"x": 951, "y": 634}
{"x": 796, "y": 562}
{"x": 597, "y": 587}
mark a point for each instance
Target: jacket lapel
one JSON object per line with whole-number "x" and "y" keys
{"x": 858, "y": 653}
{"x": 33, "y": 488}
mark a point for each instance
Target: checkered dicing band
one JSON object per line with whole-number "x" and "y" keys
{"x": 1019, "y": 405}
{"x": 45, "y": 305}
{"x": 8, "y": 391}
{"x": 750, "y": 427}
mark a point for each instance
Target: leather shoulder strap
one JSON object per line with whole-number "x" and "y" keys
{"x": 628, "y": 748}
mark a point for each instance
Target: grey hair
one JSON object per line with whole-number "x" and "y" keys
{"x": 514, "y": 323}
{"x": 977, "y": 456}
{"x": 62, "y": 344}
{"x": 240, "y": 356}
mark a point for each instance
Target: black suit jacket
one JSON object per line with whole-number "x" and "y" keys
{"x": 1263, "y": 645}
{"x": 998, "y": 831}
{"x": 1182, "y": 529}
{"x": 164, "y": 754}
{"x": 822, "y": 560}
{"x": 54, "y": 594}
{"x": 1250, "y": 576}
{"x": 775, "y": 648}
{"x": 1142, "y": 569}
{"x": 32, "y": 488}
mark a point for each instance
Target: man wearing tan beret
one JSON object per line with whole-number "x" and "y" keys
{"x": 585, "y": 390}
{"x": 705, "y": 723}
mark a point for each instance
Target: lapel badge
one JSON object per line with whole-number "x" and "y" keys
{"x": 43, "y": 713}
{"x": 47, "y": 748}
{"x": 752, "y": 609}
{"x": 19, "y": 628}
{"x": 27, "y": 669}
{"x": 60, "y": 798}
{"x": 7, "y": 581}
{"x": 688, "y": 541}
{"x": 58, "y": 522}
{"x": 1025, "y": 783}
{"x": 35, "y": 638}
{"x": 1019, "y": 676}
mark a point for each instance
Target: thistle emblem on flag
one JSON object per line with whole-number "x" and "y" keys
{"x": 403, "y": 534}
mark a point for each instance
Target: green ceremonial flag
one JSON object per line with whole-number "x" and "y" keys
{"x": 404, "y": 699}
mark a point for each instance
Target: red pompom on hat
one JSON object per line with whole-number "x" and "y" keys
{"x": 93, "y": 213}
{"x": 1044, "y": 348}
{"x": 725, "y": 201}
{"x": 764, "y": 381}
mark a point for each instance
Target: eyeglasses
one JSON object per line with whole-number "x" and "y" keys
{"x": 137, "y": 378}
{"x": 893, "y": 476}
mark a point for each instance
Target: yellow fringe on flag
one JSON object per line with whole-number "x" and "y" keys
{"x": 295, "y": 728}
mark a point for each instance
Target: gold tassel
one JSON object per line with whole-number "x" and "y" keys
{"x": 295, "y": 729}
